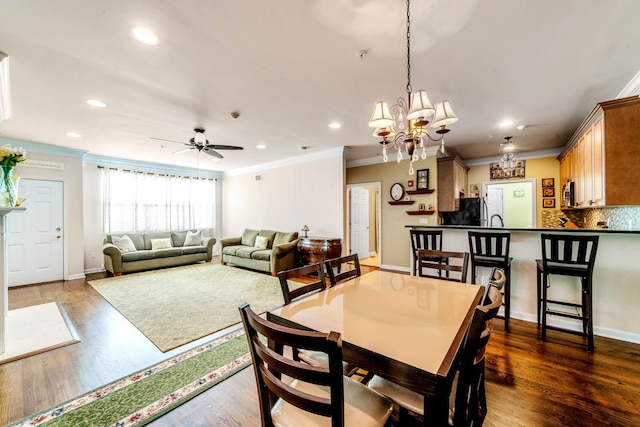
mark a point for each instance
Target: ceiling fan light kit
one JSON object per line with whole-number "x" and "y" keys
{"x": 404, "y": 124}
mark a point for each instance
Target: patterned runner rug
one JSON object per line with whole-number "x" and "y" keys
{"x": 144, "y": 396}
{"x": 175, "y": 306}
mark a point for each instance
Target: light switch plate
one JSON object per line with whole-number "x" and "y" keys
{"x": 423, "y": 221}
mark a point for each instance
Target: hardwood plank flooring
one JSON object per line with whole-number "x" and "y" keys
{"x": 529, "y": 382}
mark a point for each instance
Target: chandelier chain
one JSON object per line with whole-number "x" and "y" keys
{"x": 409, "y": 90}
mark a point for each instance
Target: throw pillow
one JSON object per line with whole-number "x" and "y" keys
{"x": 123, "y": 243}
{"x": 160, "y": 244}
{"x": 193, "y": 239}
{"x": 262, "y": 242}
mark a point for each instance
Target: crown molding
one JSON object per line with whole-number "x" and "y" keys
{"x": 37, "y": 147}
{"x": 529, "y": 155}
{"x": 320, "y": 155}
{"x": 156, "y": 167}
{"x": 632, "y": 88}
{"x": 431, "y": 151}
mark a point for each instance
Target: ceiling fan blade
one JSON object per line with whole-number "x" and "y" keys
{"x": 213, "y": 153}
{"x": 168, "y": 140}
{"x": 225, "y": 147}
{"x": 183, "y": 150}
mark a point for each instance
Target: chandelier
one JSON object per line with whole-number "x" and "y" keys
{"x": 509, "y": 159}
{"x": 404, "y": 125}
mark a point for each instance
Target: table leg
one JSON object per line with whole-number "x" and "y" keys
{"x": 436, "y": 408}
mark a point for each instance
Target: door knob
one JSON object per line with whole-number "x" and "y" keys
{"x": 58, "y": 229}
{"x": 57, "y": 237}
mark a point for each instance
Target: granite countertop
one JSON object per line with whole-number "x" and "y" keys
{"x": 540, "y": 230}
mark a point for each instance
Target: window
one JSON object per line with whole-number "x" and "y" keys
{"x": 136, "y": 201}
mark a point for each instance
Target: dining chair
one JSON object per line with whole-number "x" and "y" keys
{"x": 491, "y": 249}
{"x": 424, "y": 239}
{"x": 567, "y": 255}
{"x": 290, "y": 293}
{"x": 467, "y": 401}
{"x": 316, "y": 396}
{"x": 433, "y": 260}
{"x": 334, "y": 268}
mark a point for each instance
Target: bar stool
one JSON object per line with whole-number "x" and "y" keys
{"x": 491, "y": 249}
{"x": 567, "y": 255}
{"x": 424, "y": 239}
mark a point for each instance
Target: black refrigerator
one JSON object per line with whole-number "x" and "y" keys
{"x": 470, "y": 213}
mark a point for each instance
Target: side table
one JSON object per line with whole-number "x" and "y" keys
{"x": 318, "y": 249}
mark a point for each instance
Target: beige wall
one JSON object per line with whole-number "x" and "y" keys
{"x": 310, "y": 191}
{"x": 537, "y": 169}
{"x": 71, "y": 178}
{"x": 394, "y": 239}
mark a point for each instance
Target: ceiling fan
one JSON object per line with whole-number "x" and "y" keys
{"x": 201, "y": 143}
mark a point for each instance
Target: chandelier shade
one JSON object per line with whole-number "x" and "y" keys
{"x": 444, "y": 115}
{"x": 420, "y": 106}
{"x": 381, "y": 116}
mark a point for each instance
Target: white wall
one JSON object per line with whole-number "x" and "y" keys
{"x": 71, "y": 177}
{"x": 309, "y": 190}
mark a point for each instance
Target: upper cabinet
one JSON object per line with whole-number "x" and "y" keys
{"x": 452, "y": 183}
{"x": 603, "y": 156}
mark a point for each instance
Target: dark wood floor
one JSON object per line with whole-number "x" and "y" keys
{"x": 529, "y": 382}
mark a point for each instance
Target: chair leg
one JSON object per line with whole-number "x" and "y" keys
{"x": 545, "y": 278}
{"x": 507, "y": 299}
{"x": 538, "y": 292}
{"x": 589, "y": 305}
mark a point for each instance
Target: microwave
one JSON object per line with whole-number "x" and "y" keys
{"x": 568, "y": 194}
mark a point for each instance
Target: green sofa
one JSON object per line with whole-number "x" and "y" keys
{"x": 250, "y": 250}
{"x": 144, "y": 257}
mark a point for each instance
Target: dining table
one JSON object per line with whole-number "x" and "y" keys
{"x": 406, "y": 329}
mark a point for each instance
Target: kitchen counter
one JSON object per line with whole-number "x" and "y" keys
{"x": 539, "y": 230}
{"x": 616, "y": 290}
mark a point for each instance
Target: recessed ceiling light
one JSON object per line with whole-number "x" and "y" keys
{"x": 74, "y": 134}
{"x": 335, "y": 125}
{"x": 506, "y": 123}
{"x": 261, "y": 147}
{"x": 96, "y": 103}
{"x": 521, "y": 127}
{"x": 144, "y": 35}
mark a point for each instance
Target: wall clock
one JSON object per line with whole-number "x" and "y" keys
{"x": 397, "y": 191}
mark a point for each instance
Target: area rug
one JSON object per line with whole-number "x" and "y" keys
{"x": 36, "y": 329}
{"x": 175, "y": 306}
{"x": 144, "y": 396}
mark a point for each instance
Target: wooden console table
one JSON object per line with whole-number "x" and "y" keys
{"x": 318, "y": 249}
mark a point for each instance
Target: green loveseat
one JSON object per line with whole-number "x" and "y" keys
{"x": 277, "y": 252}
{"x": 145, "y": 257}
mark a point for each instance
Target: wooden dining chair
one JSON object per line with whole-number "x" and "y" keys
{"x": 316, "y": 396}
{"x": 424, "y": 239}
{"x": 334, "y": 268}
{"x": 467, "y": 401}
{"x": 290, "y": 293}
{"x": 457, "y": 262}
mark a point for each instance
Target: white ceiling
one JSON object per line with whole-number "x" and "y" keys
{"x": 290, "y": 67}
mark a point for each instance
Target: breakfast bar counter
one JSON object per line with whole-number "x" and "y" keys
{"x": 616, "y": 278}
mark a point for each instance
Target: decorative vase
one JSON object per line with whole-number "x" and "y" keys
{"x": 8, "y": 192}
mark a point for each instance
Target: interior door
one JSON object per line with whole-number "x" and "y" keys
{"x": 35, "y": 248}
{"x": 495, "y": 204}
{"x": 359, "y": 222}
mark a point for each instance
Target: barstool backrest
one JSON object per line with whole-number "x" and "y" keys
{"x": 489, "y": 245}
{"x": 424, "y": 239}
{"x": 566, "y": 252}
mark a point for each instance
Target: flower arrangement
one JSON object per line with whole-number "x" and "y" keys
{"x": 10, "y": 157}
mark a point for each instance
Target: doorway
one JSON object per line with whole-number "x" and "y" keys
{"x": 364, "y": 222}
{"x": 510, "y": 204}
{"x": 35, "y": 242}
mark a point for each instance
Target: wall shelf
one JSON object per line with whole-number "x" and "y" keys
{"x": 402, "y": 202}
{"x": 427, "y": 191}
{"x": 420, "y": 212}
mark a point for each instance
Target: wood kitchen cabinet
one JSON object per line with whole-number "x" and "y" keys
{"x": 603, "y": 156}
{"x": 452, "y": 183}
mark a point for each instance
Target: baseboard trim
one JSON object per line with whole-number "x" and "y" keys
{"x": 395, "y": 268}
{"x": 95, "y": 270}
{"x": 75, "y": 276}
{"x": 574, "y": 326}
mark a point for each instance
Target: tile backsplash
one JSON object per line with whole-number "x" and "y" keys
{"x": 616, "y": 218}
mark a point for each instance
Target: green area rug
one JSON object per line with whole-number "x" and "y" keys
{"x": 144, "y": 396}
{"x": 175, "y": 306}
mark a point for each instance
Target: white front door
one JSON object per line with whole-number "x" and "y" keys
{"x": 359, "y": 222}
{"x": 35, "y": 237}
